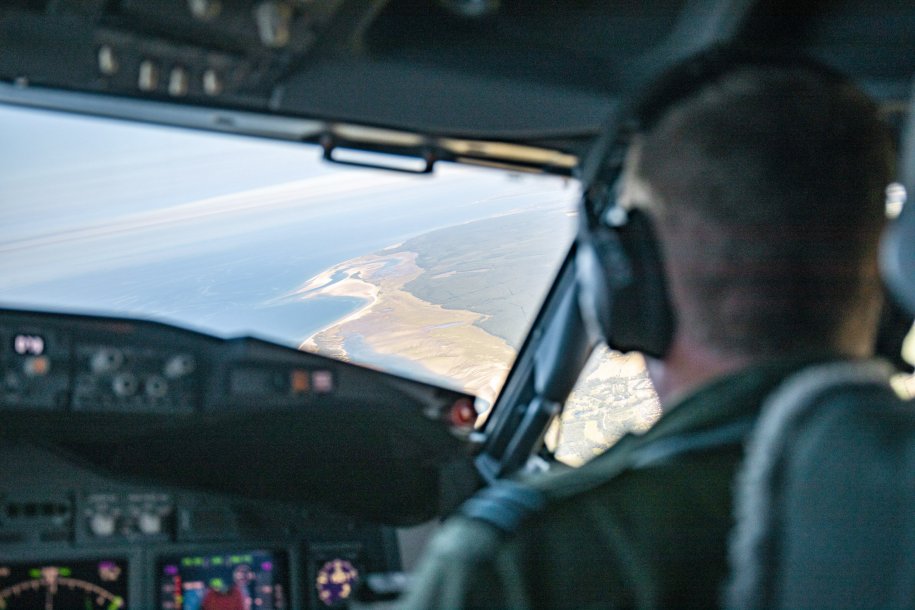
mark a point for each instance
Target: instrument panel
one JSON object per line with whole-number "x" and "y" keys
{"x": 63, "y": 362}
{"x": 150, "y": 466}
{"x": 116, "y": 367}
{"x": 72, "y": 538}
{"x": 143, "y": 399}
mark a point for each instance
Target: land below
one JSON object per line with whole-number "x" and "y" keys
{"x": 452, "y": 307}
{"x": 394, "y": 329}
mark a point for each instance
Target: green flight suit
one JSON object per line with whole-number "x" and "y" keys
{"x": 631, "y": 528}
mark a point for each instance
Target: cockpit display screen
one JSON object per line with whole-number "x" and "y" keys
{"x": 91, "y": 584}
{"x": 224, "y": 581}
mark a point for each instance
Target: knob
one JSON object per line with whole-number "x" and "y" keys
{"x": 12, "y": 382}
{"x": 102, "y": 525}
{"x": 178, "y": 82}
{"x": 107, "y": 61}
{"x": 149, "y": 523}
{"x": 179, "y": 366}
{"x": 205, "y": 10}
{"x": 124, "y": 384}
{"x": 148, "y": 76}
{"x": 155, "y": 386}
{"x": 273, "y": 19}
{"x": 212, "y": 82}
{"x": 106, "y": 360}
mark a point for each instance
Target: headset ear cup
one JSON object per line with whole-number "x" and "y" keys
{"x": 622, "y": 288}
{"x": 642, "y": 318}
{"x": 596, "y": 288}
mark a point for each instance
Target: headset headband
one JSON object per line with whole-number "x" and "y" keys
{"x": 676, "y": 84}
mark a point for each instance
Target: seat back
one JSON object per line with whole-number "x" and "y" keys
{"x": 897, "y": 249}
{"x": 825, "y": 499}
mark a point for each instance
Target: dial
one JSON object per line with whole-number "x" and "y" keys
{"x": 335, "y": 581}
{"x": 63, "y": 585}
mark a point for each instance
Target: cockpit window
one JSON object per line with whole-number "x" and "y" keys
{"x": 614, "y": 396}
{"x": 434, "y": 278}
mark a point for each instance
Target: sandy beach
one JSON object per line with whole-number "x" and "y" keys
{"x": 395, "y": 327}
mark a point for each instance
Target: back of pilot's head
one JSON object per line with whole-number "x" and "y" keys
{"x": 767, "y": 185}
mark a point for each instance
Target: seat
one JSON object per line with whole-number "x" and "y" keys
{"x": 897, "y": 252}
{"x": 825, "y": 498}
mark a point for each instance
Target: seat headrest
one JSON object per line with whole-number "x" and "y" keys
{"x": 897, "y": 249}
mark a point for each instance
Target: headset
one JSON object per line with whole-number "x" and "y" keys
{"x": 622, "y": 289}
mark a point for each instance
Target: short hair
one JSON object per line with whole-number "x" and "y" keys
{"x": 767, "y": 183}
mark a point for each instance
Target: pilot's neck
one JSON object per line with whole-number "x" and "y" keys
{"x": 688, "y": 366}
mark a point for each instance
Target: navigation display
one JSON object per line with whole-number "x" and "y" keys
{"x": 63, "y": 585}
{"x": 225, "y": 581}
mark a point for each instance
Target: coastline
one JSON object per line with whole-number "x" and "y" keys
{"x": 396, "y": 327}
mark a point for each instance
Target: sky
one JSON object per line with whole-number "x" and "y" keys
{"x": 205, "y": 229}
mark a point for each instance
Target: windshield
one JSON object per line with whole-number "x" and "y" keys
{"x": 437, "y": 278}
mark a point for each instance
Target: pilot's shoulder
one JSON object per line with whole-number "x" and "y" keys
{"x": 462, "y": 539}
{"x": 503, "y": 507}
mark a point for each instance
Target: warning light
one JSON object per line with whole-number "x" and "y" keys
{"x": 37, "y": 366}
{"x": 322, "y": 381}
{"x": 299, "y": 380}
{"x": 108, "y": 571}
{"x": 28, "y": 345}
{"x": 463, "y": 414}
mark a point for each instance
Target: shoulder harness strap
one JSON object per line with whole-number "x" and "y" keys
{"x": 505, "y": 505}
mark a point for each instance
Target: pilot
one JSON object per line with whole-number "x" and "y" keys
{"x": 763, "y": 182}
